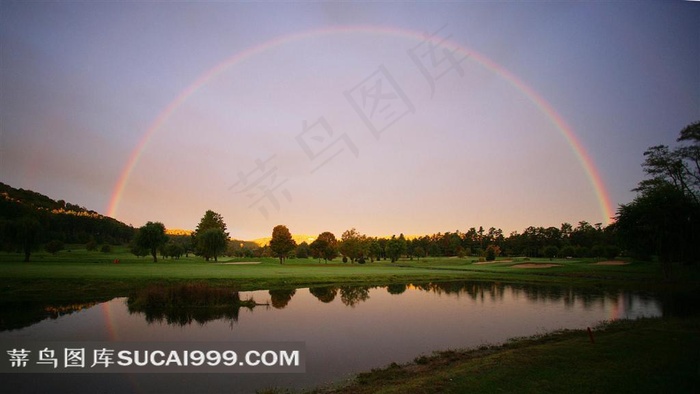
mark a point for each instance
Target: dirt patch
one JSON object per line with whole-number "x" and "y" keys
{"x": 611, "y": 262}
{"x": 533, "y": 265}
{"x": 243, "y": 263}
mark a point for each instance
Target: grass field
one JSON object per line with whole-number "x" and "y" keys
{"x": 645, "y": 356}
{"x": 79, "y": 273}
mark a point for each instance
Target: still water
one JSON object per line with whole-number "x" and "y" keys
{"x": 345, "y": 330}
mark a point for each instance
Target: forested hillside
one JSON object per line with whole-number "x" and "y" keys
{"x": 28, "y": 218}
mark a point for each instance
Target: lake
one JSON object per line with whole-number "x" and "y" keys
{"x": 345, "y": 330}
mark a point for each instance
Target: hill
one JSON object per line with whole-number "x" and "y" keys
{"x": 55, "y": 220}
{"x": 298, "y": 238}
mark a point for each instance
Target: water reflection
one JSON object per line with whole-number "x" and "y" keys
{"x": 16, "y": 315}
{"x": 200, "y": 303}
{"x": 347, "y": 329}
{"x": 280, "y": 298}
{"x": 187, "y": 303}
{"x": 353, "y": 295}
{"x": 324, "y": 294}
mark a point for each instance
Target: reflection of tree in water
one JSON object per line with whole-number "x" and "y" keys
{"x": 353, "y": 295}
{"x": 187, "y": 303}
{"x": 396, "y": 288}
{"x": 495, "y": 291}
{"x": 324, "y": 294}
{"x": 280, "y": 298}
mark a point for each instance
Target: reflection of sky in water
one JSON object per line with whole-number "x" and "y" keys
{"x": 341, "y": 340}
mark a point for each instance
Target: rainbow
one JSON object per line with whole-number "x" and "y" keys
{"x": 545, "y": 107}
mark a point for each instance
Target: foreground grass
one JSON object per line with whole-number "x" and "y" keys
{"x": 643, "y": 356}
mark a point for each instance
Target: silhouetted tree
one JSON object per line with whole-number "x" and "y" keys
{"x": 663, "y": 218}
{"x": 150, "y": 237}
{"x": 211, "y": 243}
{"x": 210, "y": 220}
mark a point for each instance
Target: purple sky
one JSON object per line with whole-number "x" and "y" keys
{"x": 82, "y": 83}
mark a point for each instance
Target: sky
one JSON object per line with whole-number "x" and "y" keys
{"x": 392, "y": 117}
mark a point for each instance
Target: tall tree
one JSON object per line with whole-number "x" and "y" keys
{"x": 212, "y": 243}
{"x": 662, "y": 219}
{"x": 396, "y": 247}
{"x": 210, "y": 220}
{"x": 151, "y": 236}
{"x": 679, "y": 167}
{"x": 330, "y": 249}
{"x": 281, "y": 243}
{"x": 353, "y": 244}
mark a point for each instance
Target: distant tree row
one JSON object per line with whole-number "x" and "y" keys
{"x": 662, "y": 222}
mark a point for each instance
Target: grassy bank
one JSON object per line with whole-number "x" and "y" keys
{"x": 643, "y": 356}
{"x": 77, "y": 273}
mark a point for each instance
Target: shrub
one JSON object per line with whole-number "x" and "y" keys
{"x": 106, "y": 248}
{"x": 91, "y": 245}
{"x": 611, "y": 252}
{"x": 567, "y": 251}
{"x": 551, "y": 251}
{"x": 491, "y": 252}
{"x": 54, "y": 246}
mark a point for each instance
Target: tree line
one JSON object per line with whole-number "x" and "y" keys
{"x": 661, "y": 222}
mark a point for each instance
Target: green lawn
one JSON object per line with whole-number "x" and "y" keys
{"x": 76, "y": 272}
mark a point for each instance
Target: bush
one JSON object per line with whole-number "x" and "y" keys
{"x": 91, "y": 246}
{"x": 567, "y": 251}
{"x": 106, "y": 248}
{"x": 551, "y": 251}
{"x": 54, "y": 246}
{"x": 491, "y": 252}
{"x": 611, "y": 252}
{"x": 598, "y": 251}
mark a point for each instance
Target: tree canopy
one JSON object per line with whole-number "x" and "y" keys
{"x": 354, "y": 245}
{"x": 212, "y": 243}
{"x": 325, "y": 246}
{"x": 662, "y": 219}
{"x": 150, "y": 237}
{"x": 281, "y": 243}
{"x": 210, "y": 238}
